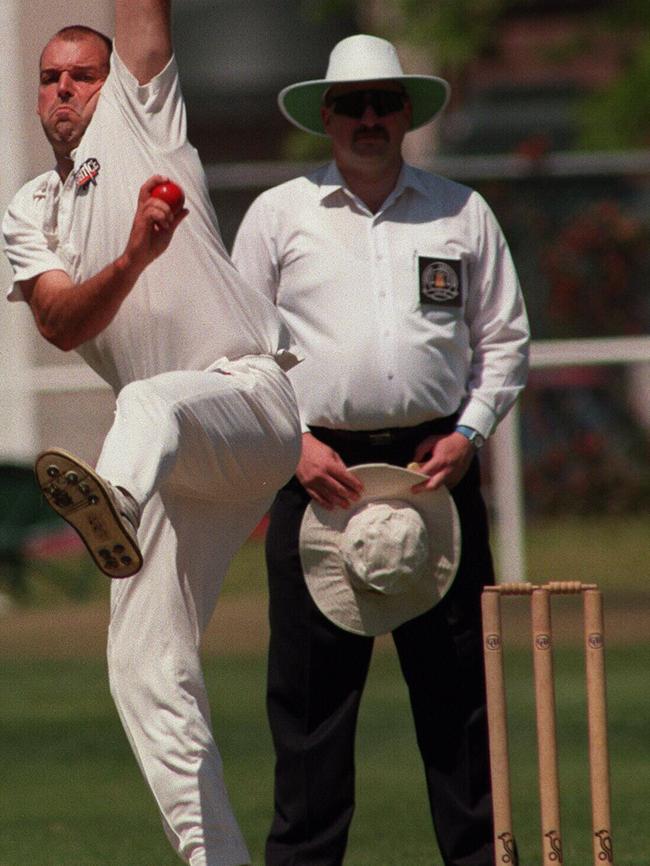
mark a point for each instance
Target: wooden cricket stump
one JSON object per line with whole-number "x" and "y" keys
{"x": 505, "y": 847}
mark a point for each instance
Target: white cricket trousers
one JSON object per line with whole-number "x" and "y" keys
{"x": 204, "y": 453}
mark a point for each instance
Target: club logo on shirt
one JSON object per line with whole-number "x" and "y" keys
{"x": 87, "y": 173}
{"x": 440, "y": 282}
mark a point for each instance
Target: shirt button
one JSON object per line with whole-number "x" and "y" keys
{"x": 391, "y": 375}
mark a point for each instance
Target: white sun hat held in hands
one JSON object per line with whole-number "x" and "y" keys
{"x": 387, "y": 559}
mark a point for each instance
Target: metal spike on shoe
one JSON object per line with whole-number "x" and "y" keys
{"x": 89, "y": 504}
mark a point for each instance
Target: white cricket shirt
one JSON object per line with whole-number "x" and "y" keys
{"x": 402, "y": 316}
{"x": 190, "y": 307}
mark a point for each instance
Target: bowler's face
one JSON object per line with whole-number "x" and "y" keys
{"x": 369, "y": 137}
{"x": 71, "y": 76}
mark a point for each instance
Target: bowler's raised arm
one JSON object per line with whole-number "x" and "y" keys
{"x": 143, "y": 36}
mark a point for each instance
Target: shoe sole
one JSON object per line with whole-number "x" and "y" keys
{"x": 82, "y": 499}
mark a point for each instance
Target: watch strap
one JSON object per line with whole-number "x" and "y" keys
{"x": 470, "y": 433}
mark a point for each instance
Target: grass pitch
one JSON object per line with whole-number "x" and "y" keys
{"x": 71, "y": 795}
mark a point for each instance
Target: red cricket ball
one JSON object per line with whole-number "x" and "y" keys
{"x": 171, "y": 193}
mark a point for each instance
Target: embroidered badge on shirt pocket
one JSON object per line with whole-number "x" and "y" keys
{"x": 440, "y": 282}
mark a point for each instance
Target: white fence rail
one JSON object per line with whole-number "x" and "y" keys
{"x": 506, "y": 446}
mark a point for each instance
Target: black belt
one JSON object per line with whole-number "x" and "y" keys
{"x": 386, "y": 435}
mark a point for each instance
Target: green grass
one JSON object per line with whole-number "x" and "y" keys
{"x": 610, "y": 551}
{"x": 71, "y": 795}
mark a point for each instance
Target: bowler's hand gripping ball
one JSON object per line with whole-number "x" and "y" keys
{"x": 170, "y": 193}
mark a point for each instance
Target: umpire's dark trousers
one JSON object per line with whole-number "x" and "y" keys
{"x": 317, "y": 673}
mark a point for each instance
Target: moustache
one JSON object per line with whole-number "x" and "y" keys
{"x": 371, "y": 131}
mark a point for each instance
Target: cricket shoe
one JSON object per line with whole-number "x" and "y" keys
{"x": 105, "y": 518}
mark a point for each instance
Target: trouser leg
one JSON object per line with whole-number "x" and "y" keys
{"x": 207, "y": 434}
{"x": 315, "y": 680}
{"x": 234, "y": 444}
{"x": 441, "y": 657}
{"x": 157, "y": 619}
{"x": 141, "y": 447}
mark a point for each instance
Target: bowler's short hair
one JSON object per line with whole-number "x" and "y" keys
{"x": 77, "y": 32}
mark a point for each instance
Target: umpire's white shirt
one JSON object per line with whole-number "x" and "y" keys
{"x": 189, "y": 307}
{"x": 404, "y": 315}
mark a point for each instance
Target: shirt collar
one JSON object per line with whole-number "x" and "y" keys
{"x": 408, "y": 178}
{"x": 332, "y": 181}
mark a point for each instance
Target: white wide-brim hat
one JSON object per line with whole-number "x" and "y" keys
{"x": 357, "y": 59}
{"x": 389, "y": 558}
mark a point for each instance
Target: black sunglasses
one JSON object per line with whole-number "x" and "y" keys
{"x": 354, "y": 104}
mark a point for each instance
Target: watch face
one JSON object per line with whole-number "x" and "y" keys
{"x": 478, "y": 441}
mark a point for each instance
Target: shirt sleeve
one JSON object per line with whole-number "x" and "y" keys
{"x": 156, "y": 110}
{"x": 499, "y": 330}
{"x": 26, "y": 246}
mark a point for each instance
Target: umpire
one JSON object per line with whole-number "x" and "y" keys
{"x": 401, "y": 293}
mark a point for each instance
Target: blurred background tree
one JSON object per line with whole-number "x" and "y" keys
{"x": 450, "y": 34}
{"x": 457, "y": 31}
{"x": 612, "y": 114}
{"x": 617, "y": 116}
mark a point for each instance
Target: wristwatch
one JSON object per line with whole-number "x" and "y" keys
{"x": 470, "y": 433}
